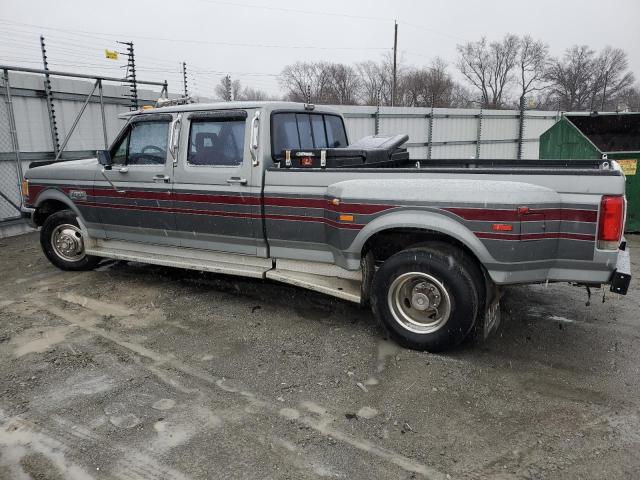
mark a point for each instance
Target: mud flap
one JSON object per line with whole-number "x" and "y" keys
{"x": 492, "y": 314}
{"x": 488, "y": 319}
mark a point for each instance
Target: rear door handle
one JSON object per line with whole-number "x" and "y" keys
{"x": 161, "y": 178}
{"x": 237, "y": 180}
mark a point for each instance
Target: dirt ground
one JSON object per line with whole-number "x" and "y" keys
{"x": 140, "y": 372}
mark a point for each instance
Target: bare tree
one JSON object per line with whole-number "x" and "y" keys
{"x": 571, "y": 78}
{"x": 249, "y": 93}
{"x": 377, "y": 80}
{"x": 629, "y": 100}
{"x": 489, "y": 67}
{"x": 430, "y": 86}
{"x": 532, "y": 60}
{"x": 223, "y": 90}
{"x": 372, "y": 81}
{"x": 344, "y": 84}
{"x": 305, "y": 79}
{"x": 610, "y": 78}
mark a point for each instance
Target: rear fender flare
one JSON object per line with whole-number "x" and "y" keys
{"x": 422, "y": 220}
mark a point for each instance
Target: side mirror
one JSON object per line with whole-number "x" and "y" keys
{"x": 104, "y": 158}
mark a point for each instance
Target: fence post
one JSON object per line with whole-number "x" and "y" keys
{"x": 376, "y": 117}
{"x": 13, "y": 131}
{"x": 479, "y": 133}
{"x": 53, "y": 126}
{"x": 521, "y": 127}
{"x": 104, "y": 122}
{"x": 430, "y": 132}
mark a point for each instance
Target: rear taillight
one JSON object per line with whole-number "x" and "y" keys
{"x": 611, "y": 222}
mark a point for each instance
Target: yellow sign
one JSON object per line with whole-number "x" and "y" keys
{"x": 111, "y": 54}
{"x": 628, "y": 166}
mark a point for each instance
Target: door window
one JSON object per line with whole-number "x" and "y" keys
{"x": 145, "y": 143}
{"x": 216, "y": 143}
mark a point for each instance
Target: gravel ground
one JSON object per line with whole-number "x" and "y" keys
{"x": 139, "y": 372}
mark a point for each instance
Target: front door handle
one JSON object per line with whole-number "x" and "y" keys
{"x": 161, "y": 178}
{"x": 237, "y": 180}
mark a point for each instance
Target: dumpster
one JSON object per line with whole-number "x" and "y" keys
{"x": 584, "y": 136}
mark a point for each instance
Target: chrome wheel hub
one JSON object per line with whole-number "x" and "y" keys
{"x": 67, "y": 243}
{"x": 419, "y": 302}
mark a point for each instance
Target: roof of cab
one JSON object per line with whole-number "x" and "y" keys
{"x": 268, "y": 105}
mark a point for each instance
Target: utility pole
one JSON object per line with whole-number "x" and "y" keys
{"x": 50, "y": 106}
{"x": 395, "y": 60}
{"x": 184, "y": 79}
{"x": 604, "y": 91}
{"x": 131, "y": 75}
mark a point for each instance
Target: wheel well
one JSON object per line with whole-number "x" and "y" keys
{"x": 386, "y": 243}
{"x": 46, "y": 209}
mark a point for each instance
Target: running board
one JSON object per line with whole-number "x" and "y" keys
{"x": 231, "y": 264}
{"x": 334, "y": 286}
{"x": 192, "y": 259}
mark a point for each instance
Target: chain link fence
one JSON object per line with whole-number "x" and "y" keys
{"x": 10, "y": 174}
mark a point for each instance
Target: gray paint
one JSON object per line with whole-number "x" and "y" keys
{"x": 417, "y": 198}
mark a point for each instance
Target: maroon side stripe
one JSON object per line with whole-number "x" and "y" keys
{"x": 217, "y": 213}
{"x": 498, "y": 215}
{"x": 535, "y": 236}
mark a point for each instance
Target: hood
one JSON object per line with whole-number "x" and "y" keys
{"x": 82, "y": 169}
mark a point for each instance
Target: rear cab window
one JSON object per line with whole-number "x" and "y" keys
{"x": 300, "y": 130}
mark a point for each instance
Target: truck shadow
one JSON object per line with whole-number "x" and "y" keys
{"x": 543, "y": 326}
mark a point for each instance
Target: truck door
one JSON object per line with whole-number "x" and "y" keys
{"x": 215, "y": 202}
{"x": 139, "y": 208}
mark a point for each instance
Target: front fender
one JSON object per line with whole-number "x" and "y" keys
{"x": 55, "y": 194}
{"x": 424, "y": 220}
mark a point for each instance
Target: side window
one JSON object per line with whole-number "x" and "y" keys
{"x": 145, "y": 143}
{"x": 148, "y": 143}
{"x": 217, "y": 143}
{"x": 336, "y": 136}
{"x": 119, "y": 151}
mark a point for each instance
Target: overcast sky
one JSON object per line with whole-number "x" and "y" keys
{"x": 253, "y": 39}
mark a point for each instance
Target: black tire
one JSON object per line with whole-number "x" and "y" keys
{"x": 448, "y": 275}
{"x": 75, "y": 262}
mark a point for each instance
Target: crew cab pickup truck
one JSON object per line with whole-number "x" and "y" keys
{"x": 250, "y": 189}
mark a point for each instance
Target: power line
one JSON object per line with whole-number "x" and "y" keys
{"x": 201, "y": 42}
{"x": 296, "y": 10}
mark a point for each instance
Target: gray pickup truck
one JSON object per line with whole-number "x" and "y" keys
{"x": 426, "y": 243}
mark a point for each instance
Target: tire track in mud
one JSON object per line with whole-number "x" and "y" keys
{"x": 320, "y": 423}
{"x": 49, "y": 435}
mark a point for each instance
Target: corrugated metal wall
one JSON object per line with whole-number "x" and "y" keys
{"x": 454, "y": 131}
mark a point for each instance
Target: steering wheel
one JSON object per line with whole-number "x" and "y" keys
{"x": 152, "y": 147}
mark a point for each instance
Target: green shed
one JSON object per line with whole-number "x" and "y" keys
{"x": 616, "y": 135}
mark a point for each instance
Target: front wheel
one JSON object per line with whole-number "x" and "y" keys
{"x": 63, "y": 243}
{"x": 426, "y": 298}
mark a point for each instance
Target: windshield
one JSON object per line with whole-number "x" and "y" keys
{"x": 293, "y": 131}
